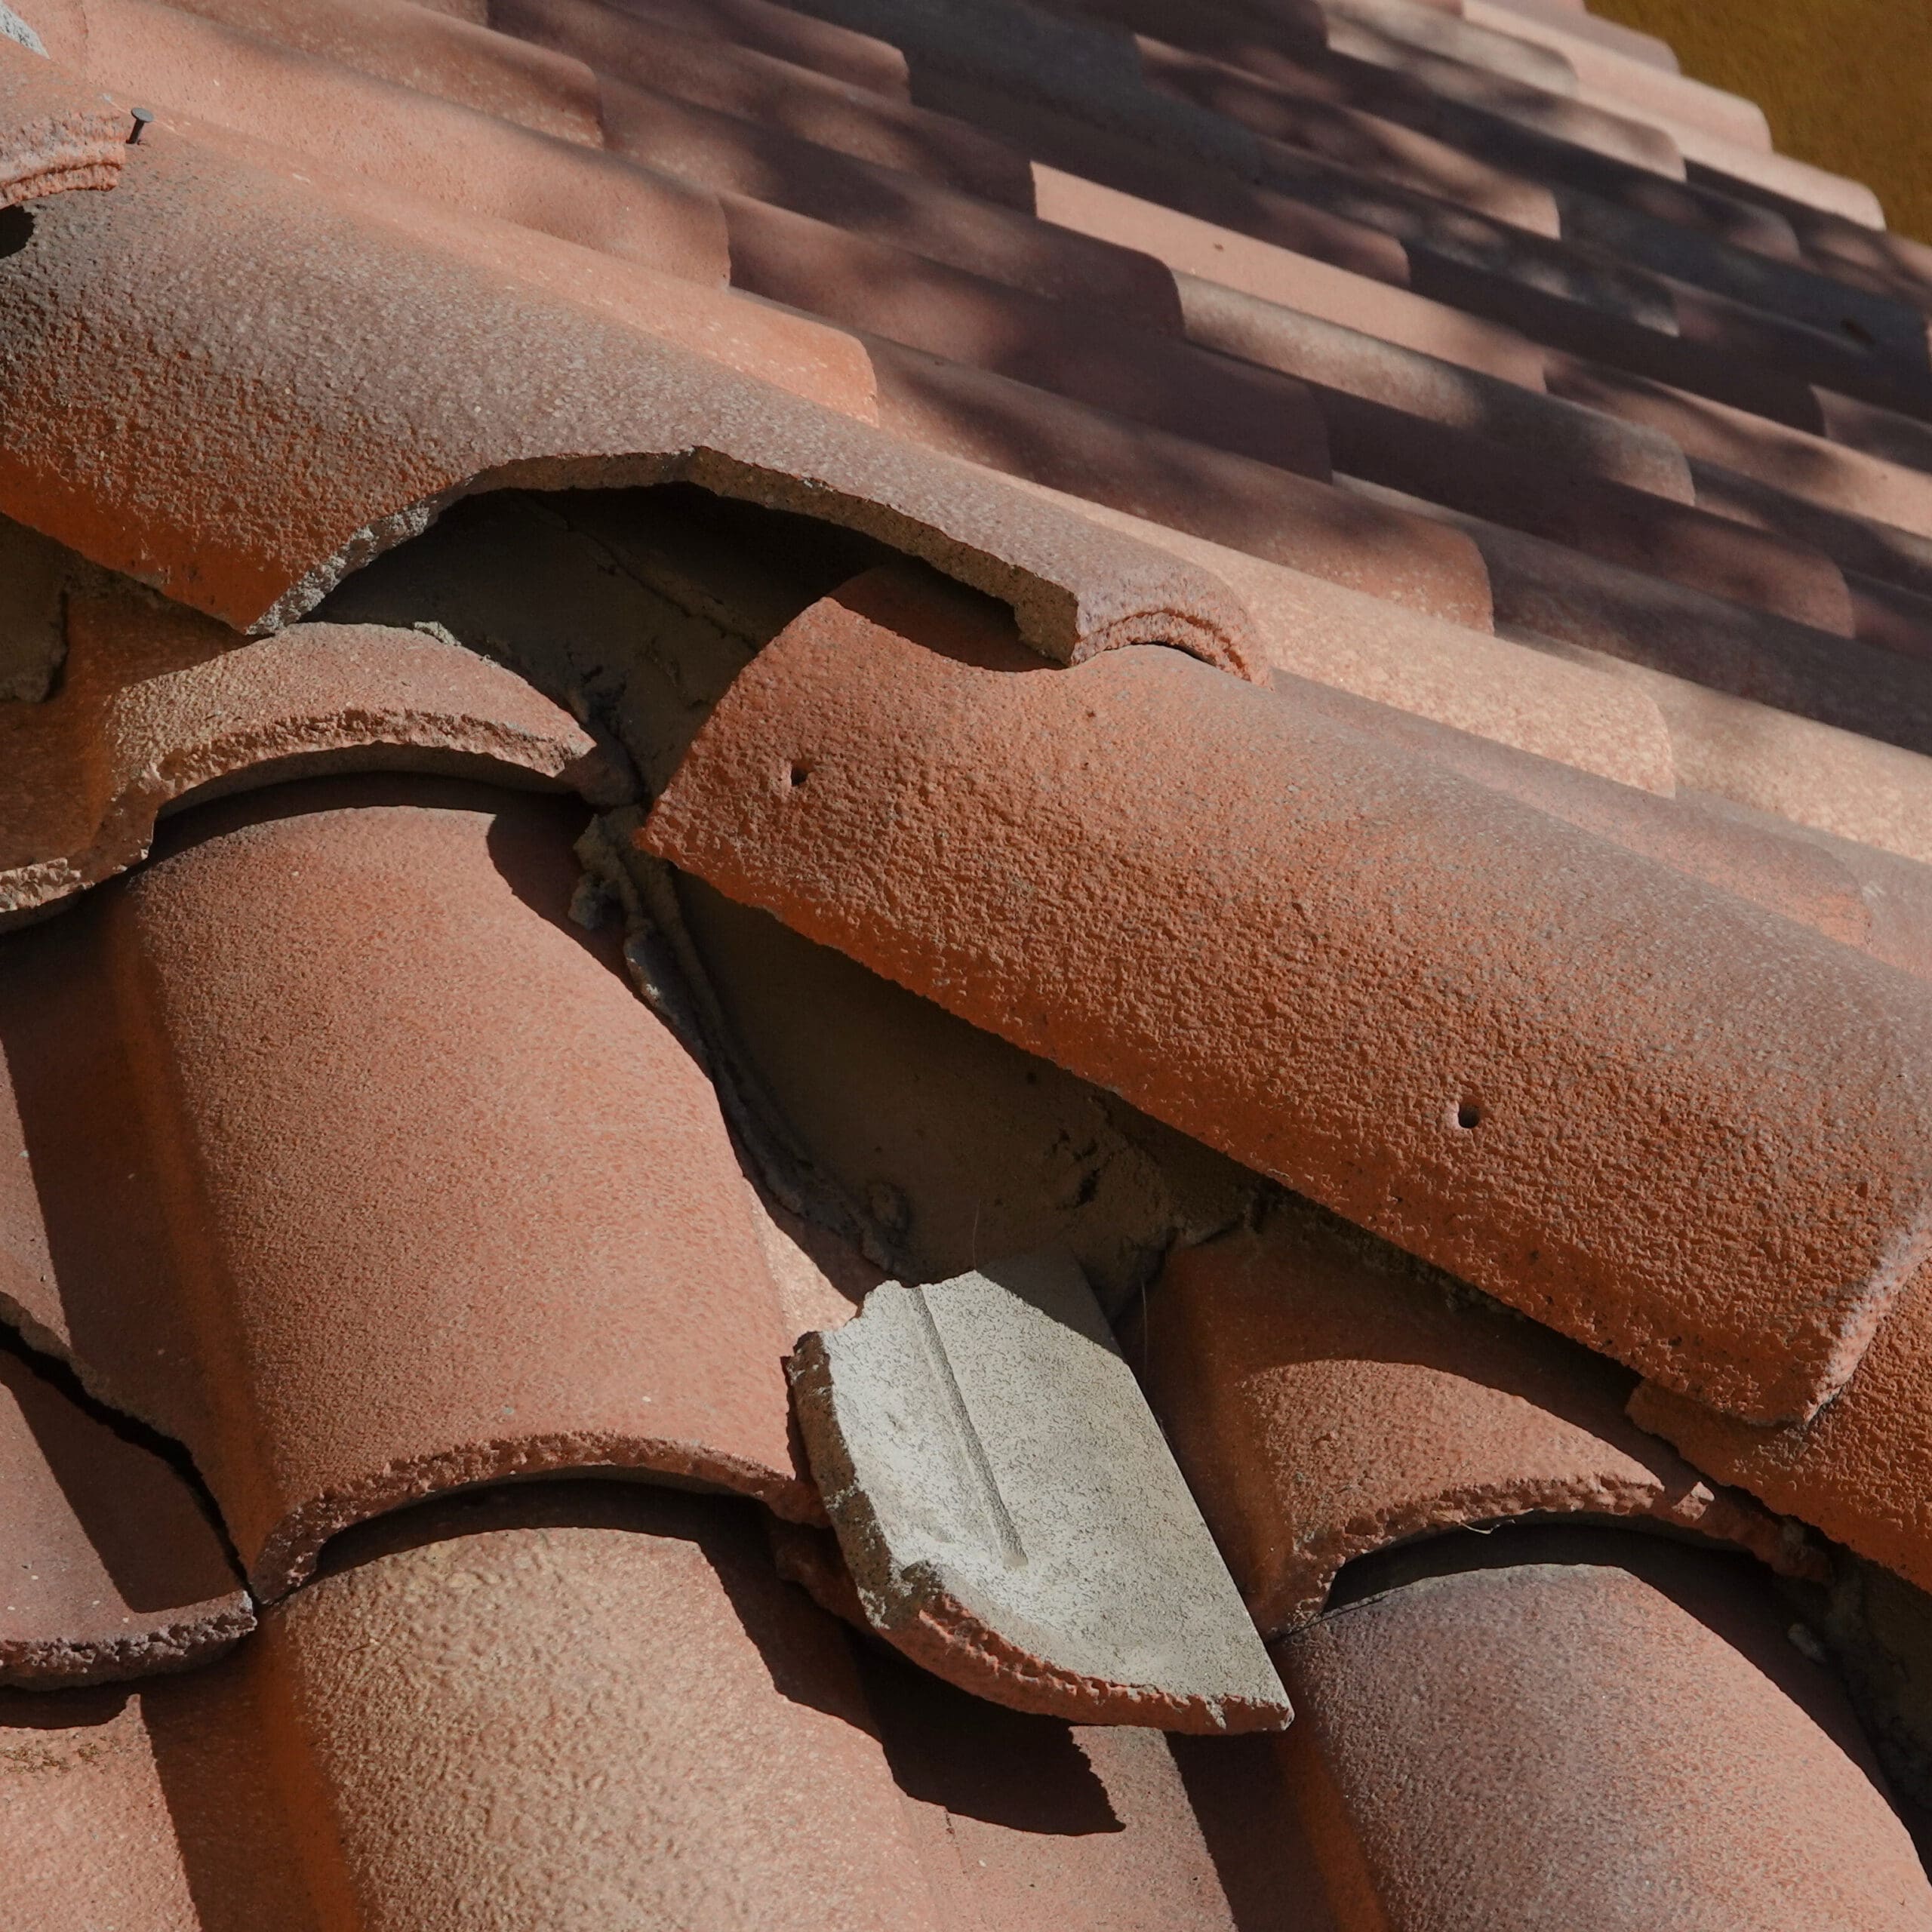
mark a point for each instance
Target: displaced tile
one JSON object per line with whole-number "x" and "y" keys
{"x": 1589, "y": 1744}
{"x": 157, "y": 702}
{"x": 57, "y": 134}
{"x": 1012, "y": 1517}
{"x": 1324, "y": 1403}
{"x": 108, "y": 1567}
{"x": 464, "y": 381}
{"x": 1861, "y": 1470}
{"x": 345, "y": 1074}
{"x": 861, "y": 779}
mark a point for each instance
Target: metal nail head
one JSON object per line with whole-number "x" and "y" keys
{"x": 142, "y": 115}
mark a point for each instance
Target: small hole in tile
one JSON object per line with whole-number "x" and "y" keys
{"x": 1468, "y": 1115}
{"x": 16, "y": 230}
{"x": 799, "y": 774}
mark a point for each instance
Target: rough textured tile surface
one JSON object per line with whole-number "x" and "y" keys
{"x": 864, "y": 779}
{"x": 108, "y": 1567}
{"x": 1323, "y": 1405}
{"x": 1861, "y": 1470}
{"x": 367, "y": 1290}
{"x": 462, "y": 383}
{"x": 56, "y": 134}
{"x": 1011, "y": 1516}
{"x": 1473, "y": 1734}
{"x": 157, "y": 702}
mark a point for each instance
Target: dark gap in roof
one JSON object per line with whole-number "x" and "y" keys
{"x": 16, "y": 229}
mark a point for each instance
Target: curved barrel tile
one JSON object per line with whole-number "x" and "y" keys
{"x": 1322, "y": 1405}
{"x": 108, "y": 1566}
{"x": 1617, "y": 1747}
{"x": 56, "y": 135}
{"x": 464, "y": 382}
{"x": 475, "y": 1215}
{"x": 1446, "y": 1016}
{"x": 158, "y": 702}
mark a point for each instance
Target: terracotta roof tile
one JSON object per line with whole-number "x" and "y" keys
{"x": 898, "y": 697}
{"x": 323, "y": 1365}
{"x": 109, "y": 1567}
{"x": 1859, "y": 1469}
{"x": 602, "y": 35}
{"x": 346, "y": 123}
{"x": 1238, "y": 263}
{"x": 1764, "y": 859}
{"x": 1067, "y": 349}
{"x": 156, "y": 703}
{"x": 451, "y": 362}
{"x": 411, "y": 45}
{"x": 1454, "y": 674}
{"x": 1549, "y": 890}
{"x": 55, "y": 136}
{"x": 1323, "y": 1406}
{"x": 1589, "y": 1693}
{"x": 1233, "y": 500}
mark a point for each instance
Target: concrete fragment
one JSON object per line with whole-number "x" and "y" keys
{"x": 1011, "y": 1515}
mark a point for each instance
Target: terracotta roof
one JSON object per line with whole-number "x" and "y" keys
{"x": 675, "y": 670}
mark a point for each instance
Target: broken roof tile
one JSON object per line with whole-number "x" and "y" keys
{"x": 466, "y": 382}
{"x": 56, "y": 135}
{"x": 1671, "y": 1707}
{"x": 156, "y": 703}
{"x": 108, "y": 1567}
{"x": 904, "y": 703}
{"x": 1324, "y": 1404}
{"x": 1010, "y": 1514}
{"x": 515, "y": 1289}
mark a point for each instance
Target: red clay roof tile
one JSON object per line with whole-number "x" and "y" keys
{"x": 1086, "y": 354}
{"x": 347, "y": 123}
{"x": 1239, "y": 262}
{"x": 415, "y": 47}
{"x": 1544, "y": 1744}
{"x": 908, "y": 702}
{"x": 1861, "y": 1470}
{"x": 108, "y": 1567}
{"x": 156, "y": 703}
{"x": 360, "y": 1295}
{"x": 55, "y": 135}
{"x": 1323, "y": 1406}
{"x": 1381, "y": 649}
{"x": 464, "y": 382}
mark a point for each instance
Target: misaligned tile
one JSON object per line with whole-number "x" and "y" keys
{"x": 892, "y": 691}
